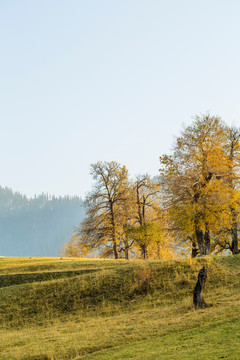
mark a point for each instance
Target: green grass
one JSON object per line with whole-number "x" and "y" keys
{"x": 212, "y": 341}
{"x": 53, "y": 308}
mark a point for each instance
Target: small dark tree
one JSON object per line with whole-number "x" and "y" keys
{"x": 198, "y": 300}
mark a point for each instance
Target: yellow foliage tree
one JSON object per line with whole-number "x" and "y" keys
{"x": 148, "y": 228}
{"x": 197, "y": 183}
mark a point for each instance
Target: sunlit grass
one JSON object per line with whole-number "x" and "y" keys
{"x": 118, "y": 310}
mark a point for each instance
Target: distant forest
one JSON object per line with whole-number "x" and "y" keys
{"x": 38, "y": 226}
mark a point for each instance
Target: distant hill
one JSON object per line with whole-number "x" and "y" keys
{"x": 38, "y": 226}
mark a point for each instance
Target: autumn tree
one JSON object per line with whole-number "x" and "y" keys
{"x": 194, "y": 181}
{"x": 76, "y": 247}
{"x": 126, "y": 213}
{"x": 147, "y": 230}
{"x": 233, "y": 152}
{"x": 146, "y": 192}
{"x": 102, "y": 227}
{"x": 226, "y": 237}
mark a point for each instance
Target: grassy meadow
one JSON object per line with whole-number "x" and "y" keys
{"x": 68, "y": 308}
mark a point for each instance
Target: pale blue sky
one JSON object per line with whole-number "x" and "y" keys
{"x": 82, "y": 81}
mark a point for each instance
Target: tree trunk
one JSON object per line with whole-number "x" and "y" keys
{"x": 145, "y": 246}
{"x": 115, "y": 250}
{"x": 198, "y": 300}
{"x": 203, "y": 242}
{"x": 144, "y": 252}
{"x": 234, "y": 231}
{"x": 207, "y": 248}
{"x": 114, "y": 237}
{"x": 194, "y": 247}
{"x": 126, "y": 250}
{"x": 200, "y": 241}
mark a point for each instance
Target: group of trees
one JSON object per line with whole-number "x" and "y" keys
{"x": 195, "y": 201}
{"x": 123, "y": 217}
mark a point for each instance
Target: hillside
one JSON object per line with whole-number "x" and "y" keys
{"x": 38, "y": 226}
{"x": 53, "y": 308}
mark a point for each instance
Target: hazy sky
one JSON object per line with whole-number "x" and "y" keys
{"x": 82, "y": 81}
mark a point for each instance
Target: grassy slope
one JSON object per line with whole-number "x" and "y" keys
{"x": 104, "y": 309}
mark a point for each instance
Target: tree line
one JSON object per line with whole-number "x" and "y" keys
{"x": 37, "y": 226}
{"x": 194, "y": 203}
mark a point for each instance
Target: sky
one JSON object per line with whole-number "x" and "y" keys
{"x": 87, "y": 81}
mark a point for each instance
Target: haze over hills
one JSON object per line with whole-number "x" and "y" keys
{"x": 38, "y": 226}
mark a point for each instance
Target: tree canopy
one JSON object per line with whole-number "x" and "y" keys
{"x": 122, "y": 217}
{"x": 194, "y": 204}
{"x": 200, "y": 185}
